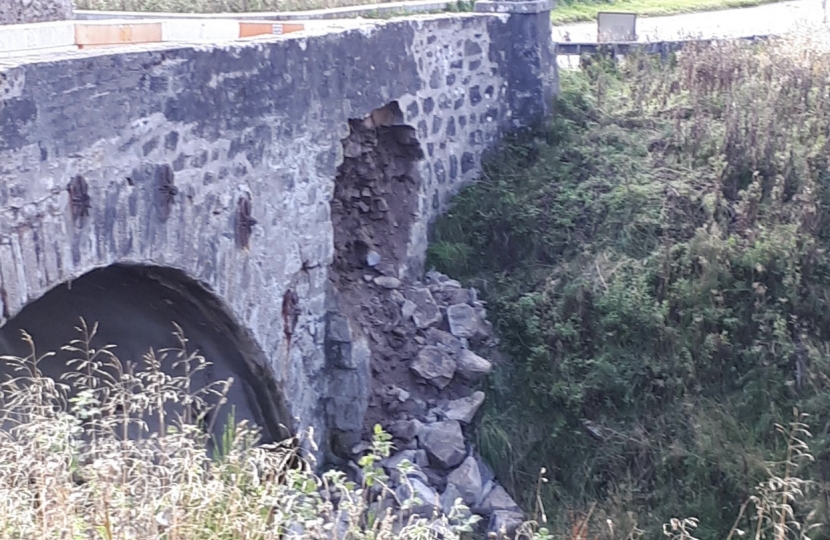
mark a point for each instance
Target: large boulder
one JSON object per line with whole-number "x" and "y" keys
{"x": 467, "y": 481}
{"x": 499, "y": 499}
{"x": 463, "y": 409}
{"x": 424, "y": 311}
{"x": 414, "y": 488}
{"x": 504, "y": 523}
{"x": 467, "y": 322}
{"x": 472, "y": 366}
{"x": 435, "y": 366}
{"x": 444, "y": 442}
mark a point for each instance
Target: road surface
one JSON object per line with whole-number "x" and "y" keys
{"x": 779, "y": 18}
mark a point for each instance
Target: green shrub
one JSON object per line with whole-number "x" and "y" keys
{"x": 655, "y": 261}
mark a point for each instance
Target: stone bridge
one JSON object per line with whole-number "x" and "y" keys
{"x": 199, "y": 183}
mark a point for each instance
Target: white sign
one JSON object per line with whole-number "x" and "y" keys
{"x": 616, "y": 27}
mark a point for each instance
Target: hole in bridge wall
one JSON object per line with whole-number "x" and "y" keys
{"x": 374, "y": 206}
{"x": 135, "y": 307}
{"x": 376, "y": 193}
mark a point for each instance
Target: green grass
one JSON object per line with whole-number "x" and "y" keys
{"x": 656, "y": 263}
{"x": 567, "y": 12}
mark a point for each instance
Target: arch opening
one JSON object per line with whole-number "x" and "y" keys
{"x": 137, "y": 308}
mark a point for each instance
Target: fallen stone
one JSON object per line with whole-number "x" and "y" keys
{"x": 464, "y": 322}
{"x": 467, "y": 480}
{"x": 435, "y": 366}
{"x": 503, "y": 524}
{"x": 418, "y": 489}
{"x": 372, "y": 258}
{"x": 472, "y": 366}
{"x": 499, "y": 500}
{"x": 426, "y": 312}
{"x": 408, "y": 309}
{"x": 485, "y": 327}
{"x": 444, "y": 341}
{"x": 387, "y": 282}
{"x": 448, "y": 498}
{"x": 416, "y": 457}
{"x": 444, "y": 442}
{"x": 405, "y": 430}
{"x": 463, "y": 409}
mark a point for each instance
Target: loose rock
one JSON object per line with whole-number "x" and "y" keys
{"x": 429, "y": 499}
{"x": 408, "y": 309}
{"x": 405, "y": 430}
{"x": 435, "y": 366}
{"x": 416, "y": 457}
{"x": 449, "y": 497}
{"x": 463, "y": 409}
{"x": 444, "y": 442}
{"x": 426, "y": 312}
{"x": 372, "y": 258}
{"x": 387, "y": 282}
{"x": 471, "y": 366}
{"x": 503, "y": 523}
{"x": 497, "y": 500}
{"x": 467, "y": 479}
{"x": 465, "y": 322}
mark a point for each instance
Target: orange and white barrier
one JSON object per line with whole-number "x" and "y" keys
{"x": 44, "y": 38}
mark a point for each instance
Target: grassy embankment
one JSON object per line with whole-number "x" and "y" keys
{"x": 657, "y": 264}
{"x": 571, "y": 11}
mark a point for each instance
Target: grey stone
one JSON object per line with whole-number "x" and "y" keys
{"x": 372, "y": 258}
{"x": 472, "y": 366}
{"x": 387, "y": 282}
{"x": 467, "y": 480}
{"x": 429, "y": 500}
{"x": 444, "y": 341}
{"x": 408, "y": 309}
{"x": 444, "y": 442}
{"x": 339, "y": 341}
{"x": 503, "y": 523}
{"x": 435, "y": 366}
{"x": 463, "y": 409}
{"x": 465, "y": 322}
{"x": 405, "y": 429}
{"x": 499, "y": 500}
{"x": 448, "y": 498}
{"x": 426, "y": 312}
{"x": 415, "y": 457}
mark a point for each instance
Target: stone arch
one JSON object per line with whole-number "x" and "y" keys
{"x": 135, "y": 307}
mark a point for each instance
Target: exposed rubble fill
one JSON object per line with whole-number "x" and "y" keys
{"x": 401, "y": 350}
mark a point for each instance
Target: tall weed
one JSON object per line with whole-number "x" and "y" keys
{"x": 656, "y": 264}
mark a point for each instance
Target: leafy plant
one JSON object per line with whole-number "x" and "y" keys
{"x": 655, "y": 259}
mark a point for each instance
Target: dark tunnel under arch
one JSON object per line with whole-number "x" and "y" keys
{"x": 135, "y": 307}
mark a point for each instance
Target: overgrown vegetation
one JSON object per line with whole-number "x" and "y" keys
{"x": 656, "y": 263}
{"x": 67, "y": 471}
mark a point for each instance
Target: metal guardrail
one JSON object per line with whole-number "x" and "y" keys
{"x": 622, "y": 48}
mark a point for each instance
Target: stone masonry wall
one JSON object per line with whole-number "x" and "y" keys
{"x": 249, "y": 134}
{"x": 30, "y": 11}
